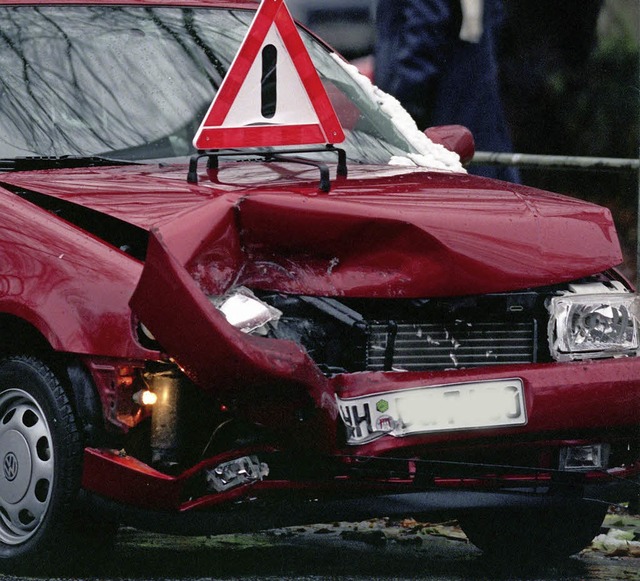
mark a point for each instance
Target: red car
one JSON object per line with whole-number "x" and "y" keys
{"x": 284, "y": 334}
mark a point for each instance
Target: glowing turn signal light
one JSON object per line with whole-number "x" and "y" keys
{"x": 145, "y": 397}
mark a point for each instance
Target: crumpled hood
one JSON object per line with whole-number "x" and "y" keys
{"x": 381, "y": 232}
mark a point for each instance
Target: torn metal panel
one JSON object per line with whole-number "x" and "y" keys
{"x": 440, "y": 243}
{"x": 237, "y": 368}
{"x": 382, "y": 233}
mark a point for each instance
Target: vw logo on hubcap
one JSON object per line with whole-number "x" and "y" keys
{"x": 10, "y": 466}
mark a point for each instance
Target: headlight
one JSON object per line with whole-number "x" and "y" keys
{"x": 586, "y": 326}
{"x": 245, "y": 311}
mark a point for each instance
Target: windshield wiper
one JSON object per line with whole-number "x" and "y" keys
{"x": 33, "y": 163}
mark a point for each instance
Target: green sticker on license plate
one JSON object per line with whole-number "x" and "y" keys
{"x": 481, "y": 404}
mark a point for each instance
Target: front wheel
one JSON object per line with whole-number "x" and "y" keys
{"x": 40, "y": 461}
{"x": 534, "y": 534}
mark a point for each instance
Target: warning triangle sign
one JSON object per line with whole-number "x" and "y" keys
{"x": 272, "y": 94}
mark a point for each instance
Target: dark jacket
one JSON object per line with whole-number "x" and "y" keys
{"x": 439, "y": 78}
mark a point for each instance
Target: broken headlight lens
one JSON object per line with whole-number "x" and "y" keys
{"x": 592, "y": 326}
{"x": 245, "y": 311}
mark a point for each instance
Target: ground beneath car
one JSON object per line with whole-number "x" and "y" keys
{"x": 374, "y": 549}
{"x": 379, "y": 548}
{"x": 385, "y": 549}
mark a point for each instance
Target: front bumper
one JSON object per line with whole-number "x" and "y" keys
{"x": 564, "y": 401}
{"x": 567, "y": 404}
{"x": 259, "y": 508}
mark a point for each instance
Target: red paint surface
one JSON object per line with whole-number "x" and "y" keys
{"x": 70, "y": 286}
{"x": 561, "y": 399}
{"x": 382, "y": 232}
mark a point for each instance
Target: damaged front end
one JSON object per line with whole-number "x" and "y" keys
{"x": 261, "y": 396}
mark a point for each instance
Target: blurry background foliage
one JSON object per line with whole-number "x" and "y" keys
{"x": 577, "y": 93}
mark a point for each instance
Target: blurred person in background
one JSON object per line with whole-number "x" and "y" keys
{"x": 438, "y": 58}
{"x": 545, "y": 51}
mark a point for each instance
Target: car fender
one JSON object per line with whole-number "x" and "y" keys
{"x": 69, "y": 285}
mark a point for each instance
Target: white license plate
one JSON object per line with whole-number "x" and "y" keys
{"x": 482, "y": 404}
{"x": 468, "y": 405}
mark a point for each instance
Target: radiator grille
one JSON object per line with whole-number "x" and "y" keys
{"x": 424, "y": 346}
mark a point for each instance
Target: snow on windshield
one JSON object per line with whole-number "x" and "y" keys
{"x": 431, "y": 155}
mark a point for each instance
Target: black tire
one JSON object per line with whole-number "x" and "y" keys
{"x": 40, "y": 463}
{"x": 536, "y": 534}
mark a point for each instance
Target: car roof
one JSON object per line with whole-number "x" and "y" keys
{"x": 191, "y": 3}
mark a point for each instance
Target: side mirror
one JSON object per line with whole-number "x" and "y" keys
{"x": 456, "y": 138}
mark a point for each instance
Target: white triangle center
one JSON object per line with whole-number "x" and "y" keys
{"x": 292, "y": 103}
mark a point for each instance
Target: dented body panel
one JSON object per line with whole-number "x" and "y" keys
{"x": 231, "y": 340}
{"x": 68, "y": 285}
{"x": 394, "y": 233}
{"x": 424, "y": 239}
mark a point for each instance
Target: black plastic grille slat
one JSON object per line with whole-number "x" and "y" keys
{"x": 423, "y": 346}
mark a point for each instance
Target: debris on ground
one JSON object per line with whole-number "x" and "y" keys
{"x": 620, "y": 532}
{"x": 617, "y": 543}
{"x": 620, "y": 536}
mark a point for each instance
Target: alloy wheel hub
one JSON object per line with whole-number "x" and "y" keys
{"x": 26, "y": 466}
{"x": 16, "y": 466}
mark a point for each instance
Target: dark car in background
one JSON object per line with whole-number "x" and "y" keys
{"x": 347, "y": 25}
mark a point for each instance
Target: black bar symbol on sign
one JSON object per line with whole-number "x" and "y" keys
{"x": 269, "y": 81}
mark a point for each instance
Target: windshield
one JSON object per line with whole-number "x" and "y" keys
{"x": 135, "y": 82}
